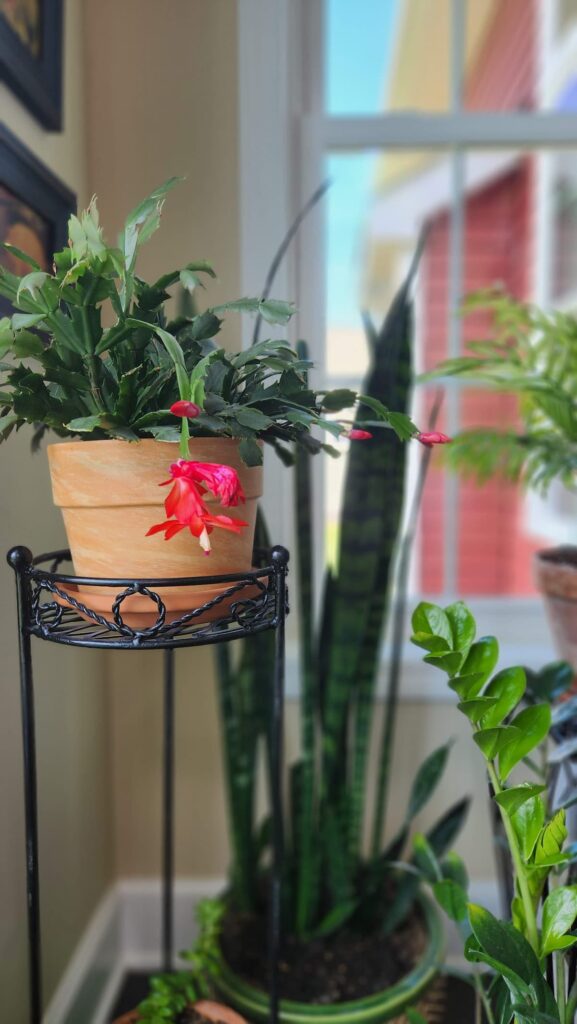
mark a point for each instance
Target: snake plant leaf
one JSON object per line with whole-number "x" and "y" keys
{"x": 452, "y": 898}
{"x": 425, "y": 858}
{"x": 371, "y": 517}
{"x": 443, "y": 833}
{"x": 427, "y": 779}
{"x": 533, "y": 724}
{"x": 453, "y": 867}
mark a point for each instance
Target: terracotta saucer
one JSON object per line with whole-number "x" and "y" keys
{"x": 215, "y": 1012}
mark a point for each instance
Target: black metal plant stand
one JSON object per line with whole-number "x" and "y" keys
{"x": 52, "y": 606}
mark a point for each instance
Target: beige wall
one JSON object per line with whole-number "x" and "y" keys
{"x": 169, "y": 107}
{"x": 71, "y": 699}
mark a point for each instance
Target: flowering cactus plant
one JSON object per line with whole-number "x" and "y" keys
{"x": 150, "y": 375}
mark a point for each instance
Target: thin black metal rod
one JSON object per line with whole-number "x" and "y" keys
{"x": 168, "y": 814}
{"x": 20, "y": 559}
{"x": 280, "y": 559}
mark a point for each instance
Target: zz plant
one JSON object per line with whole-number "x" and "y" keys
{"x": 531, "y": 959}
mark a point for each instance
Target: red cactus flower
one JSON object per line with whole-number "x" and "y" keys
{"x": 356, "y": 434}
{"x": 188, "y": 410}
{"x": 433, "y": 437}
{"x": 184, "y": 505}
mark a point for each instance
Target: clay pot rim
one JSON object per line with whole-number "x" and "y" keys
{"x": 149, "y": 441}
{"x": 553, "y": 557}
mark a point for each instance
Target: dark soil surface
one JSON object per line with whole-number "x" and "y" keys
{"x": 342, "y": 967}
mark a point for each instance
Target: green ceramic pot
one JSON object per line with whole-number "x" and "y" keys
{"x": 381, "y": 1006}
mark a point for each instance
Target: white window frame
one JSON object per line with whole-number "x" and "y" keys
{"x": 284, "y": 133}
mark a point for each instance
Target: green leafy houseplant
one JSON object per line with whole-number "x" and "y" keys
{"x": 334, "y": 886}
{"x": 531, "y": 978}
{"x": 532, "y": 354}
{"x": 170, "y": 994}
{"x": 63, "y": 369}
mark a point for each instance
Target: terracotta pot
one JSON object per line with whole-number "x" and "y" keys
{"x": 556, "y": 577}
{"x": 109, "y": 495}
{"x": 218, "y": 1013}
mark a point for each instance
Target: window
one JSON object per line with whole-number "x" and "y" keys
{"x": 454, "y": 116}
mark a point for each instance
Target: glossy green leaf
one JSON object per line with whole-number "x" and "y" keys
{"x": 452, "y": 898}
{"x": 429, "y": 619}
{"x": 450, "y": 663}
{"x": 467, "y": 687}
{"x": 433, "y": 644}
{"x": 508, "y": 686}
{"x": 492, "y": 741}
{"x": 475, "y": 709}
{"x": 551, "y": 839}
{"x": 528, "y": 821}
{"x": 529, "y": 1015}
{"x": 533, "y": 724}
{"x": 463, "y": 625}
{"x": 481, "y": 659}
{"x": 512, "y": 799}
{"x": 559, "y": 914}
{"x": 502, "y": 942}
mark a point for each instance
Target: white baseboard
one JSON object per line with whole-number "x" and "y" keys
{"x": 124, "y": 934}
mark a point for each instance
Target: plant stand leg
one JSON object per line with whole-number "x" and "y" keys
{"x": 280, "y": 558}
{"x": 168, "y": 814}
{"x": 20, "y": 559}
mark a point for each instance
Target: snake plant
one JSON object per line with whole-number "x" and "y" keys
{"x": 330, "y": 879}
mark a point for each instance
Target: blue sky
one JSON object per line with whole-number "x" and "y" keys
{"x": 359, "y": 37}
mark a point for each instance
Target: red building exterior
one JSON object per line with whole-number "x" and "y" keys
{"x": 493, "y": 552}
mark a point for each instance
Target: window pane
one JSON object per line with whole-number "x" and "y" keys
{"x": 387, "y": 55}
{"x": 502, "y": 56}
{"x": 377, "y": 207}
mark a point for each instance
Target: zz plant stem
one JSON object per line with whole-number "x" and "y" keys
{"x": 520, "y": 868}
{"x": 527, "y": 955}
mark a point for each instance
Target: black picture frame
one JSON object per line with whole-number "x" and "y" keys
{"x": 37, "y": 81}
{"x": 35, "y": 185}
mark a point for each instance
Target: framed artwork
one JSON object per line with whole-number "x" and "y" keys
{"x": 31, "y": 55}
{"x": 34, "y": 207}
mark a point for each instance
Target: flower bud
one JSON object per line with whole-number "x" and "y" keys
{"x": 188, "y": 410}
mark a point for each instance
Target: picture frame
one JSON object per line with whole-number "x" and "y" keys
{"x": 31, "y": 38}
{"x": 34, "y": 207}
